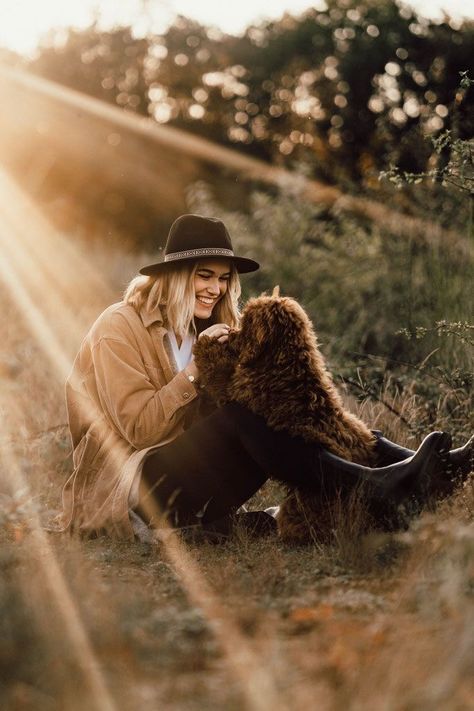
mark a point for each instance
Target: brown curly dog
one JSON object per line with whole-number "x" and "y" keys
{"x": 273, "y": 366}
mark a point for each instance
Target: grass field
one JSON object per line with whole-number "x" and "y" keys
{"x": 373, "y": 622}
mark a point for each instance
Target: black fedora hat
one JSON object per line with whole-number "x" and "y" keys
{"x": 198, "y": 237}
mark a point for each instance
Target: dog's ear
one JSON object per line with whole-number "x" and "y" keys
{"x": 271, "y": 325}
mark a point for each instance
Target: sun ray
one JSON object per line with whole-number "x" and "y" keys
{"x": 24, "y": 270}
{"x": 42, "y": 551}
{"x": 56, "y": 252}
{"x": 36, "y": 321}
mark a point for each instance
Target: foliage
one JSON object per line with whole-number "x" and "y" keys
{"x": 458, "y": 169}
{"x": 107, "y": 65}
{"x": 447, "y": 392}
{"x": 462, "y": 330}
{"x": 346, "y": 90}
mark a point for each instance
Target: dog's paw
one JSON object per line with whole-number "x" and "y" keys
{"x": 206, "y": 348}
{"x": 216, "y": 364}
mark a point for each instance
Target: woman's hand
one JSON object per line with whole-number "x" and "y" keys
{"x": 220, "y": 331}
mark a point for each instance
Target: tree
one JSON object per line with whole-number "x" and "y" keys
{"x": 344, "y": 91}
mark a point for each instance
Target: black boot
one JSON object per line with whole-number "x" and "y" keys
{"x": 461, "y": 460}
{"x": 458, "y": 462}
{"x": 414, "y": 476}
{"x": 389, "y": 452}
{"x": 222, "y": 460}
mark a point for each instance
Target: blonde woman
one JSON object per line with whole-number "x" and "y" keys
{"x": 141, "y": 443}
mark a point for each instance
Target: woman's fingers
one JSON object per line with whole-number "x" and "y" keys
{"x": 217, "y": 330}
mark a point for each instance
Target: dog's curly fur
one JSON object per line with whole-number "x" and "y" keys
{"x": 272, "y": 365}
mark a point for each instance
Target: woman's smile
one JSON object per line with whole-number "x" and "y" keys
{"x": 204, "y": 305}
{"x": 206, "y": 300}
{"x": 210, "y": 284}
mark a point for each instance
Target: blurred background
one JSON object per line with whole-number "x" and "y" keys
{"x": 335, "y": 139}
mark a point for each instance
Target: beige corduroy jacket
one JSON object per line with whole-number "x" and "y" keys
{"x": 124, "y": 398}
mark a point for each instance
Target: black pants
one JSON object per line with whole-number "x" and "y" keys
{"x": 222, "y": 460}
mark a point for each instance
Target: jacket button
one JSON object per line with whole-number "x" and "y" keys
{"x": 185, "y": 395}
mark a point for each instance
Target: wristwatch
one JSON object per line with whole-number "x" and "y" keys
{"x": 190, "y": 377}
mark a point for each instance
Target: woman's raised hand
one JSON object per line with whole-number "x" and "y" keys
{"x": 217, "y": 330}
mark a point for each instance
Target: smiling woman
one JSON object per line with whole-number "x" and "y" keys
{"x": 133, "y": 384}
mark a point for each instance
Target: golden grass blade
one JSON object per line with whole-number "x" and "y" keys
{"x": 54, "y": 581}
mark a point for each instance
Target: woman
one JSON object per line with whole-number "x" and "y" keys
{"x": 140, "y": 441}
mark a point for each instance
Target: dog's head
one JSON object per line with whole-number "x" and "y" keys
{"x": 273, "y": 325}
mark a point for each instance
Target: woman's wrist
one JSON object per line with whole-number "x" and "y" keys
{"x": 191, "y": 371}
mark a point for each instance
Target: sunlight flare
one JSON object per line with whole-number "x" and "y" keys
{"x": 35, "y": 320}
{"x": 50, "y": 281}
{"x": 41, "y": 550}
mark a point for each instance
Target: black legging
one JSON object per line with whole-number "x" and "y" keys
{"x": 223, "y": 459}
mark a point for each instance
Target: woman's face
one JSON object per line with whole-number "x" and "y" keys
{"x": 210, "y": 284}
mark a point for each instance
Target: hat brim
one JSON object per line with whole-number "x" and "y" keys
{"x": 242, "y": 264}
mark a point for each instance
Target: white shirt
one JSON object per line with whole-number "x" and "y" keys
{"x": 183, "y": 354}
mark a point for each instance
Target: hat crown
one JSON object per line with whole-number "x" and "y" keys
{"x": 197, "y": 237}
{"x": 195, "y": 232}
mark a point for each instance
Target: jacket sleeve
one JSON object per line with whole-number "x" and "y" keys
{"x": 142, "y": 414}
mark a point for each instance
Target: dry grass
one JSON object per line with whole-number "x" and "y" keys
{"x": 372, "y": 622}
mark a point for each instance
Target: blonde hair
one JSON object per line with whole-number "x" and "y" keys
{"x": 173, "y": 290}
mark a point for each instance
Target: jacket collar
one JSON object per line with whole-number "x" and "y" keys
{"x": 149, "y": 317}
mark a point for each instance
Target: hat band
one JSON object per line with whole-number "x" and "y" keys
{"x": 203, "y": 252}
